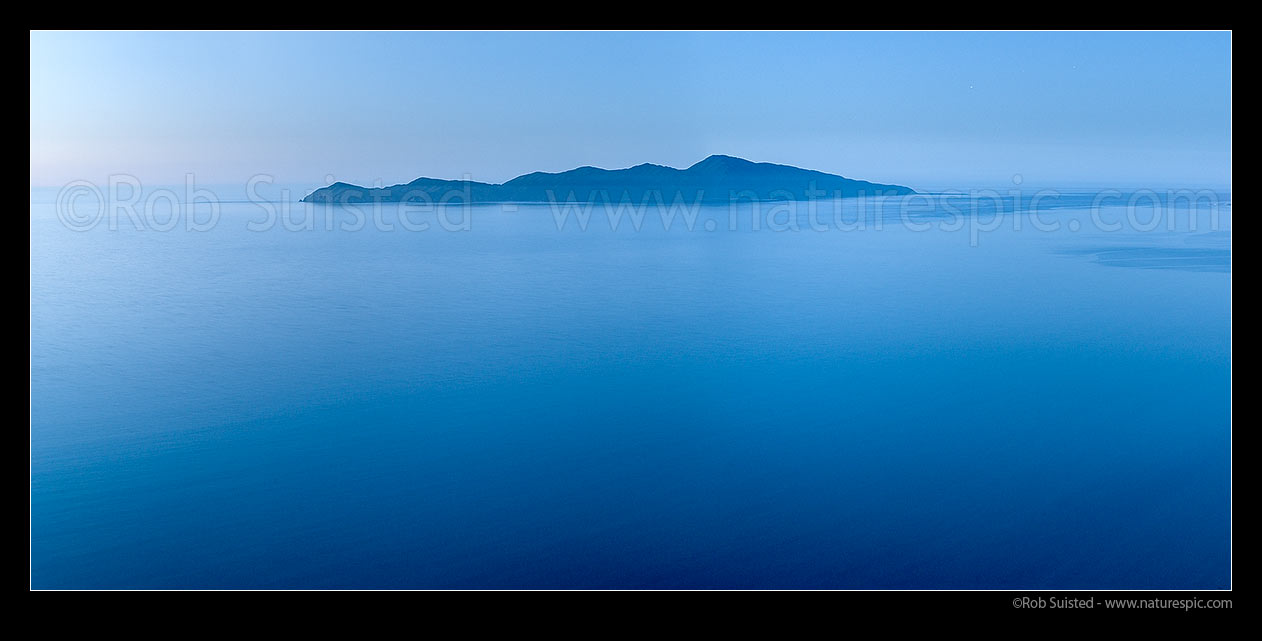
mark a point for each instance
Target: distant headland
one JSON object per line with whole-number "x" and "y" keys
{"x": 715, "y": 179}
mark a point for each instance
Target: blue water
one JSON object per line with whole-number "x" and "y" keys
{"x": 517, "y": 405}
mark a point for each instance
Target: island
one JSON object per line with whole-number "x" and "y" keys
{"x": 716, "y": 179}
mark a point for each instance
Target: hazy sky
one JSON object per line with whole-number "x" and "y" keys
{"x": 930, "y": 110}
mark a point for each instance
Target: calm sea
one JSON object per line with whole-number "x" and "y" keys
{"x": 499, "y": 397}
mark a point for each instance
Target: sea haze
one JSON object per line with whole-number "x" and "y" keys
{"x": 513, "y": 403}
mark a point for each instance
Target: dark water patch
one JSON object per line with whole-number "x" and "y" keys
{"x": 1199, "y": 259}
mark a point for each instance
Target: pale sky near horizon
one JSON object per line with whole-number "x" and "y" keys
{"x": 925, "y": 109}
